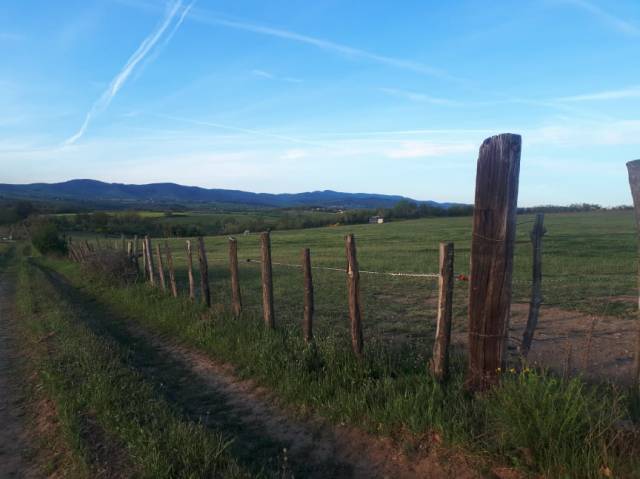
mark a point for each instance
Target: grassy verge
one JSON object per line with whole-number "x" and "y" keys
{"x": 537, "y": 422}
{"x": 111, "y": 418}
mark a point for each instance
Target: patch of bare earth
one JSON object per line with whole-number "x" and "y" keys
{"x": 327, "y": 450}
{"x": 599, "y": 347}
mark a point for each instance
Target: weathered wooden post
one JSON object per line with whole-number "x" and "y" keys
{"x": 122, "y": 242}
{"x": 440, "y": 360}
{"x": 633, "y": 168}
{"x": 536, "y": 235}
{"x": 236, "y": 298}
{"x": 134, "y": 254}
{"x": 492, "y": 245}
{"x": 149, "y": 259}
{"x": 145, "y": 269}
{"x": 192, "y": 283}
{"x": 353, "y": 288}
{"x": 267, "y": 281}
{"x": 172, "y": 273}
{"x": 307, "y": 324}
{"x": 163, "y": 283}
{"x": 204, "y": 273}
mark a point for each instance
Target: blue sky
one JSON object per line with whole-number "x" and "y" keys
{"x": 290, "y": 96}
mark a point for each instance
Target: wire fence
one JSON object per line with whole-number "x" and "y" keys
{"x": 581, "y": 326}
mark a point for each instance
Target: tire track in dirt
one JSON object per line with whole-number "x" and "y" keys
{"x": 210, "y": 392}
{"x": 353, "y": 452}
{"x": 14, "y": 449}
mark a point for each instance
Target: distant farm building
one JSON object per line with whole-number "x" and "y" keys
{"x": 376, "y": 220}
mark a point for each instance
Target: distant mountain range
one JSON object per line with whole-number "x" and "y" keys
{"x": 171, "y": 193}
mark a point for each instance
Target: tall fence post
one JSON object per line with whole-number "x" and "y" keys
{"x": 192, "y": 283}
{"x": 492, "y": 245}
{"x": 307, "y": 324}
{"x": 633, "y": 168}
{"x": 163, "y": 283}
{"x": 536, "y": 235}
{"x": 353, "y": 288}
{"x": 172, "y": 273}
{"x": 204, "y": 273}
{"x": 440, "y": 361}
{"x": 134, "y": 254}
{"x": 267, "y": 281}
{"x": 236, "y": 298}
{"x": 145, "y": 269}
{"x": 149, "y": 260}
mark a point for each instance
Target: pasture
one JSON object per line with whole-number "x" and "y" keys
{"x": 275, "y": 399}
{"x": 589, "y": 271}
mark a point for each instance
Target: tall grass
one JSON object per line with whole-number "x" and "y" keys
{"x": 533, "y": 420}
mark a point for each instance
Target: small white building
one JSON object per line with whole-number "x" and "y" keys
{"x": 376, "y": 220}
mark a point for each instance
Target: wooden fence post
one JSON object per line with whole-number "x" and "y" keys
{"x": 353, "y": 288}
{"x": 204, "y": 273}
{"x": 633, "y": 168}
{"x": 536, "y": 235}
{"x": 267, "y": 281}
{"x": 440, "y": 360}
{"x": 163, "y": 283}
{"x": 192, "y": 283}
{"x": 145, "y": 269}
{"x": 492, "y": 245}
{"x": 307, "y": 324}
{"x": 172, "y": 273}
{"x": 122, "y": 242}
{"x": 149, "y": 259}
{"x": 134, "y": 254}
{"x": 236, "y": 298}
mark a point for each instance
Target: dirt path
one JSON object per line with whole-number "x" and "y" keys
{"x": 263, "y": 432}
{"x": 330, "y": 451}
{"x": 14, "y": 451}
{"x": 599, "y": 347}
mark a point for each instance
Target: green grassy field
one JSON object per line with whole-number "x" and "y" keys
{"x": 589, "y": 265}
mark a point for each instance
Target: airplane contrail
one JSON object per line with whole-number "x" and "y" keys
{"x": 119, "y": 80}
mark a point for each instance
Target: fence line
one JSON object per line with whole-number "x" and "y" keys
{"x": 343, "y": 270}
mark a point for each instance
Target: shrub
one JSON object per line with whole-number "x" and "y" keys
{"x": 110, "y": 265}
{"x": 46, "y": 238}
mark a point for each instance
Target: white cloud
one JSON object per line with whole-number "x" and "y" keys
{"x": 263, "y": 74}
{"x": 273, "y": 76}
{"x": 418, "y": 97}
{"x": 424, "y": 149}
{"x": 294, "y": 154}
{"x": 631, "y": 92}
{"x": 576, "y": 134}
{"x": 613, "y": 21}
